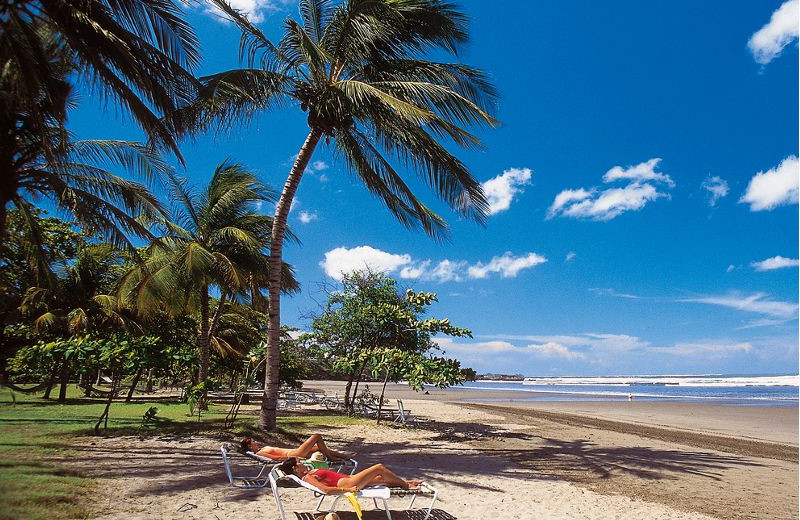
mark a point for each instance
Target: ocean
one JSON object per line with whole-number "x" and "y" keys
{"x": 755, "y": 390}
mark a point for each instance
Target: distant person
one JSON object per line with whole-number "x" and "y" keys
{"x": 630, "y": 397}
{"x": 338, "y": 483}
{"x": 309, "y": 446}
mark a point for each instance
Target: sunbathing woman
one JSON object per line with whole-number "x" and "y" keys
{"x": 312, "y": 444}
{"x": 337, "y": 483}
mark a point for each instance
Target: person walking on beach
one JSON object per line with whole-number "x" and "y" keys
{"x": 309, "y": 446}
{"x": 333, "y": 482}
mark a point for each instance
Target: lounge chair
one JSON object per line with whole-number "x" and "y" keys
{"x": 255, "y": 482}
{"x": 404, "y": 416}
{"x": 259, "y": 480}
{"x": 279, "y": 479}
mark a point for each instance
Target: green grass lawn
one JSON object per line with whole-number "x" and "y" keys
{"x": 36, "y": 433}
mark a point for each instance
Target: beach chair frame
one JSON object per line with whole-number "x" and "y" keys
{"x": 404, "y": 415}
{"x": 255, "y": 482}
{"x": 278, "y": 479}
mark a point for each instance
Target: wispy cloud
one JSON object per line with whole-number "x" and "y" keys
{"x": 776, "y": 262}
{"x": 605, "y": 291}
{"x": 758, "y": 303}
{"x": 716, "y": 187}
{"x": 544, "y": 350}
{"x": 307, "y": 216}
{"x": 708, "y": 350}
{"x": 769, "y": 41}
{"x": 606, "y": 204}
{"x": 772, "y": 188}
{"x": 501, "y": 190}
{"x": 343, "y": 260}
{"x": 570, "y": 257}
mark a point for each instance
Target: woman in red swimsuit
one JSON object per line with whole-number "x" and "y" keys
{"x": 332, "y": 482}
{"x": 312, "y": 444}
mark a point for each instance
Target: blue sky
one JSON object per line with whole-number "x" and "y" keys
{"x": 643, "y": 185}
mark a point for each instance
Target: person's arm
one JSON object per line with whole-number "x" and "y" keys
{"x": 331, "y": 490}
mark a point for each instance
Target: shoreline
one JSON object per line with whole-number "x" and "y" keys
{"x": 771, "y": 424}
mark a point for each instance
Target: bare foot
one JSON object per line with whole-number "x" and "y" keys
{"x": 413, "y": 484}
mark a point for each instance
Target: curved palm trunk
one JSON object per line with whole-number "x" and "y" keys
{"x": 270, "y": 399}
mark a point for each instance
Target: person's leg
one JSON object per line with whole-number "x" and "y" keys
{"x": 316, "y": 443}
{"x": 308, "y": 447}
{"x": 377, "y": 475}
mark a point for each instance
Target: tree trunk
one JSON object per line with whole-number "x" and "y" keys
{"x": 202, "y": 340}
{"x": 270, "y": 400}
{"x": 115, "y": 378}
{"x": 52, "y": 380}
{"x": 149, "y": 385}
{"x": 64, "y": 377}
{"x": 347, "y": 400}
{"x": 383, "y": 391}
{"x": 358, "y": 379}
{"x": 133, "y": 385}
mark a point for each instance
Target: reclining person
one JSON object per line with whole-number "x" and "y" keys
{"x": 304, "y": 451}
{"x": 332, "y": 482}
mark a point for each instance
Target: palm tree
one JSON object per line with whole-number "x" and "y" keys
{"x": 356, "y": 68}
{"x": 79, "y": 301}
{"x": 217, "y": 241}
{"x": 139, "y": 53}
{"x": 73, "y": 175}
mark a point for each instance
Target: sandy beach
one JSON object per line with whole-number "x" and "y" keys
{"x": 502, "y": 459}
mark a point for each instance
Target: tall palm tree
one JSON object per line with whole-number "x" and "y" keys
{"x": 217, "y": 241}
{"x": 357, "y": 68}
{"x": 139, "y": 53}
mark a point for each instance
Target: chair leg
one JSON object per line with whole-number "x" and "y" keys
{"x": 277, "y": 495}
{"x": 319, "y": 503}
{"x": 386, "y": 508}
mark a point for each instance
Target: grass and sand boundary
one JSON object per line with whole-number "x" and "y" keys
{"x": 496, "y": 460}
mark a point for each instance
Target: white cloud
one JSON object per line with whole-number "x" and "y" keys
{"x": 546, "y": 350}
{"x": 773, "y": 188}
{"x": 758, "y": 303}
{"x": 611, "y": 203}
{"x": 598, "y": 342}
{"x": 443, "y": 271}
{"x": 730, "y": 268}
{"x": 307, "y": 216}
{"x": 255, "y": 10}
{"x": 323, "y": 178}
{"x": 500, "y": 190}
{"x": 570, "y": 256}
{"x": 768, "y": 42}
{"x": 599, "y": 204}
{"x": 342, "y": 259}
{"x": 507, "y": 265}
{"x": 716, "y": 187}
{"x": 641, "y": 172}
{"x": 709, "y": 350}
{"x": 776, "y": 262}
{"x": 566, "y": 197}
{"x": 318, "y": 166}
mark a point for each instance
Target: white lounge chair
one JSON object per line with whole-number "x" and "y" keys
{"x": 255, "y": 482}
{"x": 279, "y": 479}
{"x": 404, "y": 416}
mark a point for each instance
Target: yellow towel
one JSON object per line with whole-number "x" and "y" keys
{"x": 354, "y": 502}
